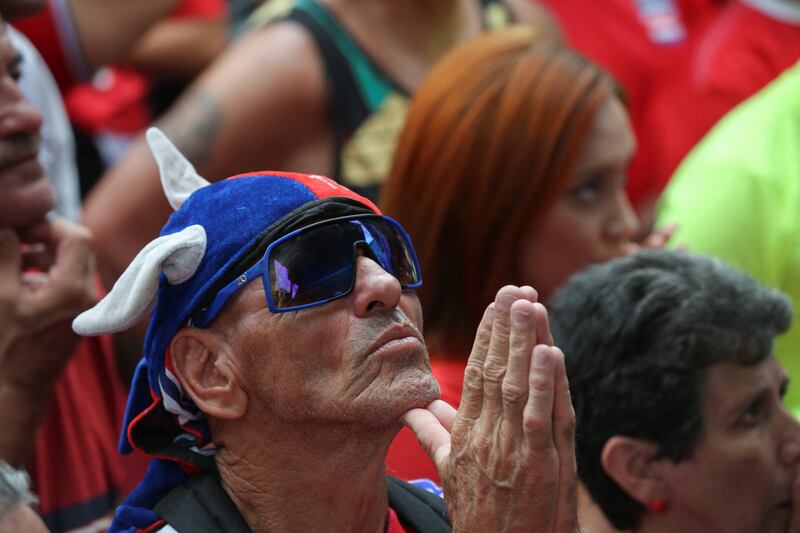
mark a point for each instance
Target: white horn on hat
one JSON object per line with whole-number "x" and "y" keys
{"x": 178, "y": 177}
{"x": 134, "y": 294}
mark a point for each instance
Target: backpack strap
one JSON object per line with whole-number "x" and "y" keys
{"x": 417, "y": 508}
{"x": 201, "y": 505}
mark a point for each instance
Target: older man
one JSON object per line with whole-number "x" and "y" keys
{"x": 61, "y": 401}
{"x": 680, "y": 418}
{"x": 284, "y": 350}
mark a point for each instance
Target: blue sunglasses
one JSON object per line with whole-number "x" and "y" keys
{"x": 316, "y": 264}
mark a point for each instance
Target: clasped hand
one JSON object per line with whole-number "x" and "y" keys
{"x": 506, "y": 458}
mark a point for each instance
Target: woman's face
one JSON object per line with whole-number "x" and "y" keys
{"x": 592, "y": 221}
{"x": 738, "y": 479}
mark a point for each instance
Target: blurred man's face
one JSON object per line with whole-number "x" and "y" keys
{"x": 25, "y": 195}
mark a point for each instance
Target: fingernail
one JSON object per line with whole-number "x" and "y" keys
{"x": 541, "y": 359}
{"x": 488, "y": 317}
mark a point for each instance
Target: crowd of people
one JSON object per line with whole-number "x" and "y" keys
{"x": 222, "y": 223}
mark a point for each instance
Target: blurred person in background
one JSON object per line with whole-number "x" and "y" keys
{"x": 511, "y": 168}
{"x": 737, "y": 196}
{"x": 642, "y": 44}
{"x": 62, "y": 398}
{"x": 748, "y": 44}
{"x": 678, "y": 396}
{"x": 120, "y": 64}
{"x": 291, "y": 94}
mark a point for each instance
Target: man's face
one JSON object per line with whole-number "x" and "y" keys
{"x": 358, "y": 359}
{"x": 739, "y": 478}
{"x": 25, "y": 195}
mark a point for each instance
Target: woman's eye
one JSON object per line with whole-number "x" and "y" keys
{"x": 587, "y": 192}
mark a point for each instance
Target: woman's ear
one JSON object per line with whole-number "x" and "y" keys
{"x": 632, "y": 464}
{"x": 203, "y": 365}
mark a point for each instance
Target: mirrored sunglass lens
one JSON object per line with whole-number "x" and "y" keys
{"x": 318, "y": 264}
{"x": 390, "y": 249}
{"x": 313, "y": 266}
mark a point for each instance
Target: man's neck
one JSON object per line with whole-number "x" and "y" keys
{"x": 308, "y": 479}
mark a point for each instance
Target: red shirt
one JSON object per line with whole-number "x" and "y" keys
{"x": 406, "y": 458}
{"x": 741, "y": 52}
{"x": 641, "y": 44}
{"x": 76, "y": 470}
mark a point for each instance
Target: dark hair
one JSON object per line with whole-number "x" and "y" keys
{"x": 490, "y": 139}
{"x": 639, "y": 334}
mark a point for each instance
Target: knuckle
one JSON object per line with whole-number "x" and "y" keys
{"x": 539, "y": 383}
{"x": 473, "y": 376}
{"x": 534, "y": 422}
{"x": 513, "y": 393}
{"x": 494, "y": 372}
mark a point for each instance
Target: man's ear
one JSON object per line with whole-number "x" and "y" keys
{"x": 631, "y": 463}
{"x": 203, "y": 365}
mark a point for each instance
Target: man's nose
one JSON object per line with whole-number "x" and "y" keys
{"x": 17, "y": 115}
{"x": 375, "y": 289}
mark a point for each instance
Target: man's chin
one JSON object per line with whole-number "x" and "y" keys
{"x": 417, "y": 388}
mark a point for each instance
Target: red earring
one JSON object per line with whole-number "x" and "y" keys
{"x": 657, "y": 506}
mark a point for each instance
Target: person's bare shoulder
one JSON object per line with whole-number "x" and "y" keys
{"x": 256, "y": 107}
{"x": 262, "y": 105}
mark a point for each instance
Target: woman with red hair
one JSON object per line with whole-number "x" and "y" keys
{"x": 510, "y": 169}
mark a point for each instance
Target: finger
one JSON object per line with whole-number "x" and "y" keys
{"x": 72, "y": 243}
{"x": 38, "y": 233}
{"x": 542, "y": 325}
{"x": 472, "y": 391}
{"x": 538, "y": 413}
{"x": 564, "y": 440}
{"x": 70, "y": 287}
{"x": 10, "y": 265}
{"x": 494, "y": 368}
{"x": 515, "y": 383}
{"x": 444, "y": 413}
{"x": 430, "y": 434}
{"x": 529, "y": 293}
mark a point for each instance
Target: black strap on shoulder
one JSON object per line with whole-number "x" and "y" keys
{"x": 201, "y": 505}
{"x": 417, "y": 508}
{"x": 347, "y": 110}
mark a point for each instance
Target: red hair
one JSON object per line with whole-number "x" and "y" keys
{"x": 491, "y": 136}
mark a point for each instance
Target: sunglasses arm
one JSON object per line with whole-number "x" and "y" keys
{"x": 203, "y": 317}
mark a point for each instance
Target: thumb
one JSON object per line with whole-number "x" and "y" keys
{"x": 430, "y": 433}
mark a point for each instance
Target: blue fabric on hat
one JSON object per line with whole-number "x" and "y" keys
{"x": 233, "y": 213}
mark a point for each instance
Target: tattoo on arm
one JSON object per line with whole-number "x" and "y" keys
{"x": 193, "y": 124}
